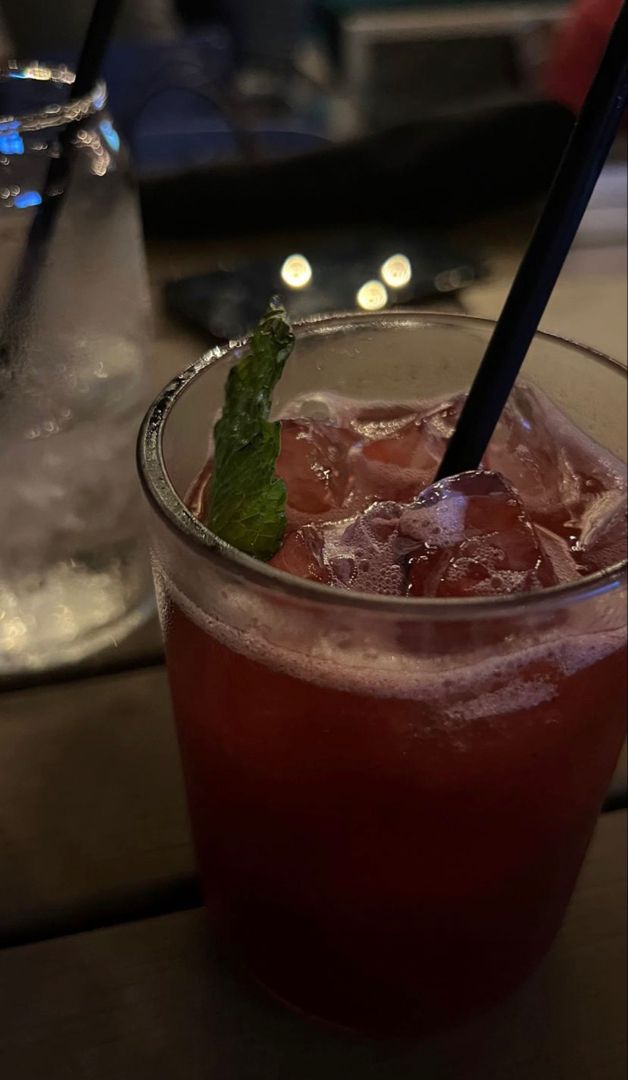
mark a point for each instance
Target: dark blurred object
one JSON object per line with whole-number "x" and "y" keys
{"x": 579, "y": 43}
{"x": 439, "y": 171}
{"x": 372, "y": 269}
{"x": 37, "y": 26}
{"x": 196, "y": 11}
{"x": 265, "y": 37}
{"x": 266, "y": 33}
{"x": 5, "y": 44}
{"x": 398, "y": 59}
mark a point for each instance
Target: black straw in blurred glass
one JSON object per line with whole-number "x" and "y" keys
{"x": 88, "y": 68}
{"x": 588, "y": 148}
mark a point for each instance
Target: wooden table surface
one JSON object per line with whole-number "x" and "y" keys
{"x": 106, "y": 965}
{"x": 93, "y": 823}
{"x": 151, "y": 1000}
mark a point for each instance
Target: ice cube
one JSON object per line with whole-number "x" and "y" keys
{"x": 556, "y": 470}
{"x": 603, "y": 533}
{"x": 466, "y": 536}
{"x": 559, "y": 554}
{"x": 394, "y": 469}
{"x": 368, "y": 554}
{"x": 403, "y": 451}
{"x": 315, "y": 465}
{"x": 364, "y": 554}
{"x": 524, "y": 449}
{"x": 473, "y": 538}
{"x": 301, "y": 554}
{"x": 380, "y": 419}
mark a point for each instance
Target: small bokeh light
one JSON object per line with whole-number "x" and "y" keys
{"x": 296, "y": 272}
{"x": 372, "y": 296}
{"x": 396, "y": 272}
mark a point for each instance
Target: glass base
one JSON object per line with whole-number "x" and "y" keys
{"x": 70, "y": 612}
{"x": 377, "y": 1015}
{"x": 406, "y": 1001}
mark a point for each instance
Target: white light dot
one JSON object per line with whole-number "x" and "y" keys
{"x": 396, "y": 272}
{"x": 296, "y": 272}
{"x": 372, "y": 296}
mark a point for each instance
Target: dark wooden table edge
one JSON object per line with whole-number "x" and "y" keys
{"x": 160, "y": 896}
{"x": 12, "y": 683}
{"x": 182, "y": 893}
{"x": 155, "y": 659}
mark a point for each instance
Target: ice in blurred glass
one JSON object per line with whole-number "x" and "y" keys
{"x": 73, "y": 573}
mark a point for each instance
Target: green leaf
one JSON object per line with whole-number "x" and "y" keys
{"x": 246, "y": 505}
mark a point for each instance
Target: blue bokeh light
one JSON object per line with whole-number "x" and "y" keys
{"x": 110, "y": 135}
{"x": 11, "y": 142}
{"x": 27, "y": 198}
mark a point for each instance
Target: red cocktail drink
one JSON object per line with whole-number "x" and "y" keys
{"x": 397, "y": 737}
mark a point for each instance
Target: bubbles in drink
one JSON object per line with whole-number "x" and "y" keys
{"x": 369, "y": 554}
{"x": 467, "y": 536}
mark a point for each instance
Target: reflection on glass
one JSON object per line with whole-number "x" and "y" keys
{"x": 40, "y": 73}
{"x": 396, "y": 272}
{"x": 296, "y": 272}
{"x": 372, "y": 296}
{"x": 100, "y": 160}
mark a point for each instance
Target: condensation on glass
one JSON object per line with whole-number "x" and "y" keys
{"x": 74, "y": 323}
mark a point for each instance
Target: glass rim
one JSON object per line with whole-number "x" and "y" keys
{"x": 164, "y": 499}
{"x": 56, "y": 114}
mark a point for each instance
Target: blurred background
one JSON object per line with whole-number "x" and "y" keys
{"x": 399, "y": 118}
{"x": 389, "y": 119}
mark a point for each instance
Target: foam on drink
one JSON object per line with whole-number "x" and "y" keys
{"x": 463, "y": 685}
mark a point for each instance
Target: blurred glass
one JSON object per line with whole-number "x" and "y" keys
{"x": 36, "y": 26}
{"x": 73, "y": 573}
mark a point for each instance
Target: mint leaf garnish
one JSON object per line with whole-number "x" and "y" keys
{"x": 246, "y": 505}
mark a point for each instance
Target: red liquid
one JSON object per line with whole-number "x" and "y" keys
{"x": 387, "y": 859}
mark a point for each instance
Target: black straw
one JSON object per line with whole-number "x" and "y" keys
{"x": 95, "y": 46}
{"x": 44, "y": 222}
{"x": 582, "y": 162}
